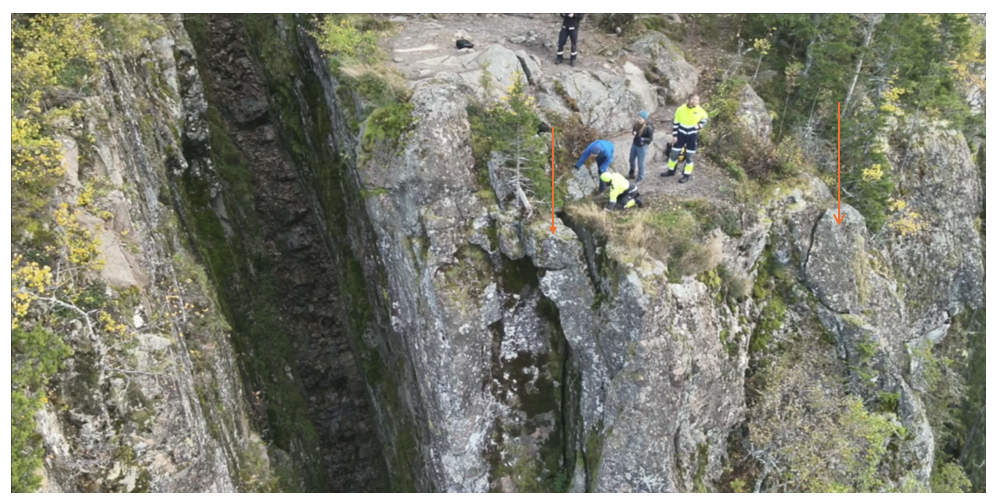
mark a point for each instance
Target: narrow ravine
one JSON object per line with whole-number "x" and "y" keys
{"x": 293, "y": 250}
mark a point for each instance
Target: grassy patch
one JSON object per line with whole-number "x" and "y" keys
{"x": 673, "y": 232}
{"x": 733, "y": 286}
{"x": 572, "y": 104}
{"x": 375, "y": 93}
{"x": 698, "y": 482}
{"x": 772, "y": 287}
{"x": 386, "y": 125}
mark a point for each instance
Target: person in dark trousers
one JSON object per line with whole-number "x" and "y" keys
{"x": 623, "y": 194}
{"x": 643, "y": 135}
{"x": 603, "y": 151}
{"x": 569, "y": 28}
{"x": 689, "y": 119}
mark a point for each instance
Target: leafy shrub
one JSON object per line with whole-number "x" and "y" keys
{"x": 610, "y": 22}
{"x": 53, "y": 58}
{"x": 812, "y": 436}
{"x": 868, "y": 187}
{"x": 126, "y": 32}
{"x": 888, "y": 402}
{"x": 344, "y": 42}
{"x": 387, "y": 124}
{"x": 37, "y": 354}
{"x": 44, "y": 48}
{"x": 350, "y": 43}
{"x": 733, "y": 147}
{"x": 573, "y": 135}
{"x": 949, "y": 478}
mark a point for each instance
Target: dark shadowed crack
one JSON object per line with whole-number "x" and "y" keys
{"x": 295, "y": 255}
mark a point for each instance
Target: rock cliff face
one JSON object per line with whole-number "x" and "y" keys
{"x": 667, "y": 62}
{"x": 396, "y": 328}
{"x": 288, "y": 238}
{"x": 164, "y": 408}
{"x": 604, "y": 100}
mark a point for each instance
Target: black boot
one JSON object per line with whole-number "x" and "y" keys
{"x": 685, "y": 177}
{"x": 631, "y": 175}
{"x": 669, "y": 172}
{"x": 573, "y": 58}
{"x": 560, "y": 58}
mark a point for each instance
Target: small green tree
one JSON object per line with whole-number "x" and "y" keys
{"x": 508, "y": 128}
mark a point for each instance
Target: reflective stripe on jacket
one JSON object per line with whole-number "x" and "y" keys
{"x": 689, "y": 120}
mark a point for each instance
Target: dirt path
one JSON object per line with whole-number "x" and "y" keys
{"x": 708, "y": 181}
{"x": 428, "y": 36}
{"x": 424, "y": 39}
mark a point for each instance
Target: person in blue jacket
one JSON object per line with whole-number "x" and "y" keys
{"x": 602, "y": 151}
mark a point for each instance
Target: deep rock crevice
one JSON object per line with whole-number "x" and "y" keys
{"x": 266, "y": 193}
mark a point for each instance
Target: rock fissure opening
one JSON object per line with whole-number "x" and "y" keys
{"x": 293, "y": 343}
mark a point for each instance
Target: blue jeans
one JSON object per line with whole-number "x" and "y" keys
{"x": 602, "y": 168}
{"x": 637, "y": 153}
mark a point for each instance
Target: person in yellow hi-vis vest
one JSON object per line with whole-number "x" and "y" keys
{"x": 623, "y": 193}
{"x": 689, "y": 119}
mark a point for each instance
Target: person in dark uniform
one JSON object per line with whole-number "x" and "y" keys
{"x": 569, "y": 28}
{"x": 689, "y": 119}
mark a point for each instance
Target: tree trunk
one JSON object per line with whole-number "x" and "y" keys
{"x": 873, "y": 21}
{"x": 519, "y": 193}
{"x": 781, "y": 118}
{"x": 971, "y": 435}
{"x": 735, "y": 67}
{"x": 496, "y": 184}
{"x": 809, "y": 49}
{"x": 760, "y": 480}
{"x": 816, "y": 100}
{"x": 757, "y": 68}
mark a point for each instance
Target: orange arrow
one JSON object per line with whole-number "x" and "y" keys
{"x": 553, "y": 176}
{"x": 839, "y": 216}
